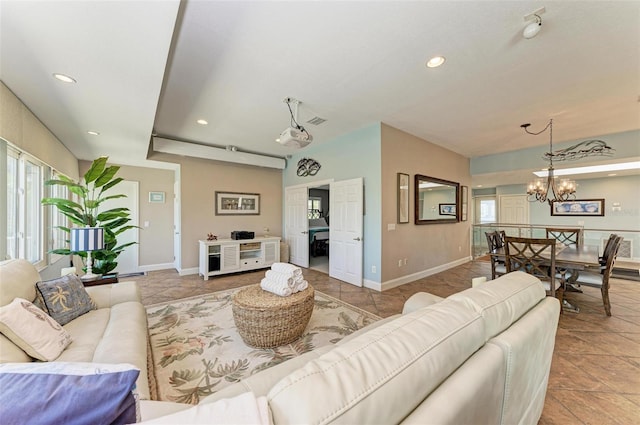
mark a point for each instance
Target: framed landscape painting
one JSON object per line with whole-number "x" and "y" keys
{"x": 578, "y": 207}
{"x": 231, "y": 203}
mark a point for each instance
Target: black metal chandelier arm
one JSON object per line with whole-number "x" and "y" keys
{"x": 525, "y": 126}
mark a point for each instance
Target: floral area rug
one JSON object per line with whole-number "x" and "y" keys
{"x": 197, "y": 350}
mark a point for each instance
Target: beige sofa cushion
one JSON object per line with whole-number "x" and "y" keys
{"x": 382, "y": 374}
{"x": 13, "y": 275}
{"x": 111, "y": 335}
{"x": 33, "y": 330}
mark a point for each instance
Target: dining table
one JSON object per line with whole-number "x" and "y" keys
{"x": 570, "y": 257}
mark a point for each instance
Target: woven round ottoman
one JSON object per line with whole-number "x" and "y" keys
{"x": 266, "y": 320}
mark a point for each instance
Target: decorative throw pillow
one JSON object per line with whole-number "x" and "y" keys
{"x": 79, "y": 393}
{"x": 64, "y": 298}
{"x": 33, "y": 330}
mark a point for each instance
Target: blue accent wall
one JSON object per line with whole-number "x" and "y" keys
{"x": 357, "y": 154}
{"x": 626, "y": 145}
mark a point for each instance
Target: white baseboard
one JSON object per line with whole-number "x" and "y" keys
{"x": 186, "y": 272}
{"x": 419, "y": 275}
{"x": 376, "y": 286}
{"x": 156, "y": 267}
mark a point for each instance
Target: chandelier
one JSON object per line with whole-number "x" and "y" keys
{"x": 550, "y": 190}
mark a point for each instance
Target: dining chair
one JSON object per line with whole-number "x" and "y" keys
{"x": 565, "y": 236}
{"x": 607, "y": 248}
{"x": 495, "y": 241}
{"x": 600, "y": 278}
{"x": 536, "y": 257}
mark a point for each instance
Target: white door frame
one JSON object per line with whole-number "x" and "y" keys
{"x": 177, "y": 216}
{"x": 306, "y": 187}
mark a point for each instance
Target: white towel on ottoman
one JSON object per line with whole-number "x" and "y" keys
{"x": 287, "y": 268}
{"x": 281, "y": 289}
{"x": 279, "y": 277}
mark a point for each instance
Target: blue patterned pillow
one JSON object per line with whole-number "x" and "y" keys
{"x": 68, "y": 393}
{"x": 64, "y": 298}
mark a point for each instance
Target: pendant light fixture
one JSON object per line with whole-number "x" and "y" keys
{"x": 549, "y": 190}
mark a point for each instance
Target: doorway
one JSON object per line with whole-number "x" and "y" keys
{"x": 345, "y": 227}
{"x": 128, "y": 259}
{"x": 319, "y": 225}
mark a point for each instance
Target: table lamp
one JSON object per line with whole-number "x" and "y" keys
{"x": 87, "y": 239}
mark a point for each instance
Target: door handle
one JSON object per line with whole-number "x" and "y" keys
{"x": 357, "y": 239}
{"x": 304, "y": 232}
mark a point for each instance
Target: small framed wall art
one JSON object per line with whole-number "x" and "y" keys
{"x": 447, "y": 209}
{"x": 465, "y": 202}
{"x": 403, "y": 198}
{"x": 156, "y": 197}
{"x": 235, "y": 203}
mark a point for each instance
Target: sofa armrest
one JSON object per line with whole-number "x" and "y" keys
{"x": 420, "y": 300}
{"x": 106, "y": 296}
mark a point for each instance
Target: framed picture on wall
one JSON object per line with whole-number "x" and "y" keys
{"x": 235, "y": 203}
{"x": 447, "y": 209}
{"x": 403, "y": 198}
{"x": 578, "y": 207}
{"x": 464, "y": 202}
{"x": 156, "y": 197}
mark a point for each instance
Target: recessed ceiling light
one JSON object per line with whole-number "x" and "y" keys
{"x": 277, "y": 140}
{"x": 64, "y": 78}
{"x": 435, "y": 61}
{"x": 93, "y": 133}
{"x": 479, "y": 185}
{"x": 202, "y": 122}
{"x": 612, "y": 174}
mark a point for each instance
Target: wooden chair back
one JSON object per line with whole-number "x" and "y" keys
{"x": 495, "y": 241}
{"x": 533, "y": 256}
{"x": 611, "y": 243}
{"x": 565, "y": 236}
{"x": 601, "y": 280}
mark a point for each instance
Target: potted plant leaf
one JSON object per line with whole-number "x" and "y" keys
{"x": 91, "y": 193}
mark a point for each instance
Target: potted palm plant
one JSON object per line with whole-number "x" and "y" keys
{"x": 91, "y": 193}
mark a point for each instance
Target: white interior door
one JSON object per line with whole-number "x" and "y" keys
{"x": 345, "y": 232}
{"x": 297, "y": 225}
{"x": 514, "y": 209}
{"x": 128, "y": 259}
{"x": 177, "y": 248}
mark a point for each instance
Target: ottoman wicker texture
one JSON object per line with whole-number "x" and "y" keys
{"x": 266, "y": 320}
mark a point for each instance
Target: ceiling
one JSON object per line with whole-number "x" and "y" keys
{"x": 155, "y": 67}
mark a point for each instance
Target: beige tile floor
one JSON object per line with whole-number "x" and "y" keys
{"x": 595, "y": 374}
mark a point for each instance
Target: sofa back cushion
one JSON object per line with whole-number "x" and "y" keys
{"x": 503, "y": 301}
{"x": 17, "y": 280}
{"x": 382, "y": 374}
{"x": 527, "y": 347}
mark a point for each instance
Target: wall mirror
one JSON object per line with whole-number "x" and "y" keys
{"x": 436, "y": 200}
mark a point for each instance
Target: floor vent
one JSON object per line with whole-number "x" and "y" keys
{"x": 316, "y": 121}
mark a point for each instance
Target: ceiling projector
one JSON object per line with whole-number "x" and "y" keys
{"x": 295, "y": 137}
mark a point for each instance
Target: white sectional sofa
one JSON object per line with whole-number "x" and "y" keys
{"x": 481, "y": 356}
{"x": 116, "y": 332}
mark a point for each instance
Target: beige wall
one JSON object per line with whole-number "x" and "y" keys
{"x": 19, "y": 126}
{"x": 156, "y": 241}
{"x": 424, "y": 246}
{"x": 201, "y": 178}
